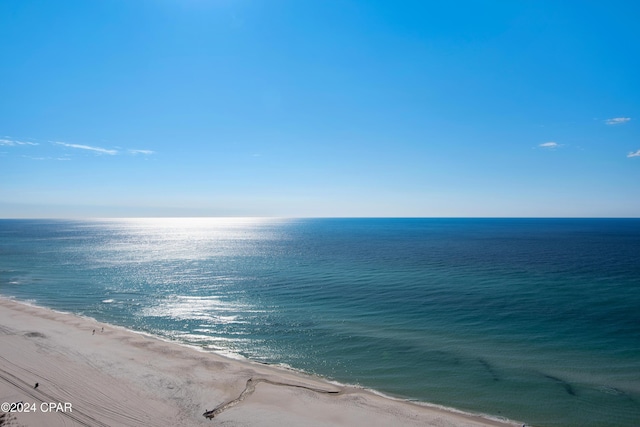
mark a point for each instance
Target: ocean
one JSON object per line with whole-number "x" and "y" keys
{"x": 536, "y": 320}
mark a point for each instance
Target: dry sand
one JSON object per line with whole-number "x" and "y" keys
{"x": 121, "y": 378}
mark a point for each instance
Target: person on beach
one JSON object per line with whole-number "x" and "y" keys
{"x": 94, "y": 332}
{"x": 36, "y": 386}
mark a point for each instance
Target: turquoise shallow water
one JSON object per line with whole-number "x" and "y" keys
{"x": 532, "y": 319}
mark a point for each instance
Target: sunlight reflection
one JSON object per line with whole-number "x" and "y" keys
{"x": 209, "y": 309}
{"x": 162, "y": 239}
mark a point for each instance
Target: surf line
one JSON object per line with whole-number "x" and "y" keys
{"x": 251, "y": 387}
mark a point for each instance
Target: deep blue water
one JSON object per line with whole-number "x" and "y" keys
{"x": 536, "y": 320}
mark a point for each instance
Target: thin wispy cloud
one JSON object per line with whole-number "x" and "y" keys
{"x": 12, "y": 142}
{"x": 47, "y": 158}
{"x": 634, "y": 154}
{"x": 89, "y": 148}
{"x": 549, "y": 145}
{"x": 8, "y": 141}
{"x": 145, "y": 152}
{"x": 617, "y": 120}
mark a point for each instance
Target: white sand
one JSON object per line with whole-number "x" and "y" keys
{"x": 121, "y": 378}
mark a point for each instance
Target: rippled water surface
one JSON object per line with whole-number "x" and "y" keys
{"x": 532, "y": 319}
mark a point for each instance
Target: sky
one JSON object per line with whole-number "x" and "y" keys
{"x": 319, "y": 108}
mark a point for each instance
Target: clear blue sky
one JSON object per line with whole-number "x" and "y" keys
{"x": 319, "y": 108}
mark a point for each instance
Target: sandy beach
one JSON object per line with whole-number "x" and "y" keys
{"x": 94, "y": 374}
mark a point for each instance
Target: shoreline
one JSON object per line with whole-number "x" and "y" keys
{"x": 94, "y": 370}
